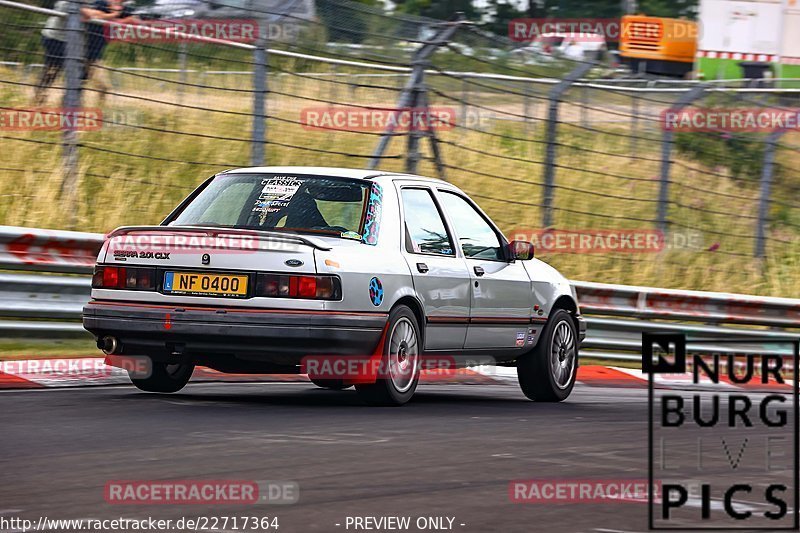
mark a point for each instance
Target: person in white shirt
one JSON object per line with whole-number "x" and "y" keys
{"x": 54, "y": 40}
{"x": 574, "y": 51}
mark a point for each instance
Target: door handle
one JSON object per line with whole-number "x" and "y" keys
{"x": 422, "y": 267}
{"x": 479, "y": 271}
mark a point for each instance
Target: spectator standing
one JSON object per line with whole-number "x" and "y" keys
{"x": 54, "y": 41}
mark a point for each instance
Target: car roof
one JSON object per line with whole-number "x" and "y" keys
{"x": 338, "y": 172}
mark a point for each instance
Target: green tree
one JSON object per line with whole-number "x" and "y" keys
{"x": 439, "y": 9}
{"x": 503, "y": 13}
{"x": 669, "y": 8}
{"x": 577, "y": 8}
{"x": 344, "y": 21}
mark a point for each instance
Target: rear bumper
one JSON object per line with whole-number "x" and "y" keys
{"x": 255, "y": 334}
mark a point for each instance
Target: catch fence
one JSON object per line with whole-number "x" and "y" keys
{"x": 550, "y": 148}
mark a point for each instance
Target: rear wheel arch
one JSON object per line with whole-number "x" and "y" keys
{"x": 416, "y": 308}
{"x": 400, "y": 361}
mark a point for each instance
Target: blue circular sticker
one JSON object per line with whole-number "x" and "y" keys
{"x": 375, "y": 291}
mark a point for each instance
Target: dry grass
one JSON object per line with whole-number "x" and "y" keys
{"x": 599, "y": 185}
{"x": 21, "y": 350}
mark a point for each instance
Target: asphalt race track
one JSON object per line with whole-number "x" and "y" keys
{"x": 451, "y": 452}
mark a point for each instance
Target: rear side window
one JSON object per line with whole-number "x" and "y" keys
{"x": 425, "y": 230}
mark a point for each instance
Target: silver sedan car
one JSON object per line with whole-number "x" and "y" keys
{"x": 355, "y": 277}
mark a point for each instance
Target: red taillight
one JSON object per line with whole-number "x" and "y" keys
{"x": 309, "y": 287}
{"x": 112, "y": 277}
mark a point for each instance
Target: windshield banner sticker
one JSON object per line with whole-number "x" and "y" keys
{"x": 275, "y": 195}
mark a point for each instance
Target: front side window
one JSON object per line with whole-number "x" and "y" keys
{"x": 301, "y": 203}
{"x": 425, "y": 230}
{"x": 477, "y": 238}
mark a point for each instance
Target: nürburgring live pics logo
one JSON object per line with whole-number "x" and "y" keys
{"x": 722, "y": 433}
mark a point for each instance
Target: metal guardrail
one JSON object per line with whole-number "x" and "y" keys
{"x": 45, "y": 250}
{"x": 48, "y": 305}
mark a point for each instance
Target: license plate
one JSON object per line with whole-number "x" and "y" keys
{"x": 197, "y": 284}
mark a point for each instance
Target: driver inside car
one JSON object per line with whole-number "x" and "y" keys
{"x": 301, "y": 212}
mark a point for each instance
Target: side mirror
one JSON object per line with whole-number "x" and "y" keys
{"x": 521, "y": 250}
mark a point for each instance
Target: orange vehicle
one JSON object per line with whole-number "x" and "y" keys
{"x": 655, "y": 45}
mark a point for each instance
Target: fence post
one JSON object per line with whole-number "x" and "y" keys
{"x": 73, "y": 74}
{"x": 634, "y": 124}
{"x": 767, "y": 172}
{"x": 550, "y": 138}
{"x": 584, "y": 104}
{"x": 526, "y": 107}
{"x": 259, "y": 97}
{"x": 414, "y": 95}
{"x": 666, "y": 156}
{"x": 182, "y": 75}
{"x": 333, "y": 93}
{"x": 463, "y": 100}
{"x": 412, "y": 146}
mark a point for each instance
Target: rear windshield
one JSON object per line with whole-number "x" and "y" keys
{"x": 302, "y": 203}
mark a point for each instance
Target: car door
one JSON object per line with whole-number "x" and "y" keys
{"x": 441, "y": 278}
{"x": 501, "y": 296}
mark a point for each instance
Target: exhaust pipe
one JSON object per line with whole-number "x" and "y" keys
{"x": 109, "y": 345}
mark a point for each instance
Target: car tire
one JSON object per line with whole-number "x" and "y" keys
{"x": 164, "y": 377}
{"x": 332, "y": 384}
{"x": 401, "y": 362}
{"x": 547, "y": 373}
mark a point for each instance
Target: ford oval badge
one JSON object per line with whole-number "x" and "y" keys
{"x": 293, "y": 263}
